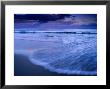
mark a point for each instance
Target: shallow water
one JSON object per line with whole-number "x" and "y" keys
{"x": 74, "y": 54}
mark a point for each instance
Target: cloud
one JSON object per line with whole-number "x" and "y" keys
{"x": 62, "y": 21}
{"x": 71, "y": 20}
{"x": 80, "y": 20}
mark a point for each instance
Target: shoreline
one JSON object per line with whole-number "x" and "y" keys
{"x": 23, "y": 67}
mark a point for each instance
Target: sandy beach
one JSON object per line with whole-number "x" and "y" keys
{"x": 23, "y": 67}
{"x": 60, "y": 54}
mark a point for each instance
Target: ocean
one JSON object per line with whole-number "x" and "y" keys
{"x": 55, "y": 53}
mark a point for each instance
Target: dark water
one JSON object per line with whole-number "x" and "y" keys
{"x": 23, "y": 67}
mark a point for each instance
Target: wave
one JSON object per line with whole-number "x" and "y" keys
{"x": 80, "y": 61}
{"x": 74, "y": 55}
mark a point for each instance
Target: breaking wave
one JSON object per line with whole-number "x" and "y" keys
{"x": 72, "y": 57}
{"x": 80, "y": 61}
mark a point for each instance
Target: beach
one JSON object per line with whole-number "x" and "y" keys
{"x": 52, "y": 54}
{"x": 23, "y": 67}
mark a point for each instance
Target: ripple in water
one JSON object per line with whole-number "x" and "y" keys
{"x": 75, "y": 60}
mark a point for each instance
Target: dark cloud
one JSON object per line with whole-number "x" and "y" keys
{"x": 76, "y": 21}
{"x": 40, "y": 17}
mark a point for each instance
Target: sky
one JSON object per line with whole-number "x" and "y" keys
{"x": 42, "y": 22}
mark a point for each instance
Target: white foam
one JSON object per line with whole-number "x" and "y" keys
{"x": 62, "y": 71}
{"x": 74, "y": 46}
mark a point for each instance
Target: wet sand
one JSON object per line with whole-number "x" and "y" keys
{"x": 28, "y": 46}
{"x": 23, "y": 67}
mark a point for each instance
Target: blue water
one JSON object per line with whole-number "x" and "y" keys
{"x": 74, "y": 54}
